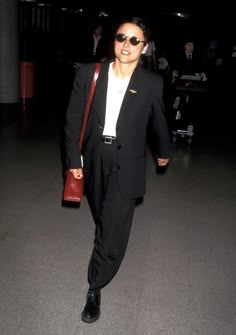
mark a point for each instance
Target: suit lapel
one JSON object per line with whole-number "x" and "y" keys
{"x": 130, "y": 95}
{"x": 100, "y": 94}
{"x": 132, "y": 91}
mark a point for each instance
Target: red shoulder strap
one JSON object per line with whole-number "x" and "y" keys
{"x": 90, "y": 98}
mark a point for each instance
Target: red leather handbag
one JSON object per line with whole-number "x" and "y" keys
{"x": 74, "y": 188}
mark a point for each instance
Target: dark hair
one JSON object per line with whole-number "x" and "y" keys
{"x": 139, "y": 23}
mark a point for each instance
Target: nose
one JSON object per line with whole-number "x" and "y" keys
{"x": 126, "y": 41}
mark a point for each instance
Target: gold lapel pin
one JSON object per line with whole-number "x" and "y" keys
{"x": 133, "y": 91}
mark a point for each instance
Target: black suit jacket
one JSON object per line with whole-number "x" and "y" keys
{"x": 190, "y": 67}
{"x": 142, "y": 105}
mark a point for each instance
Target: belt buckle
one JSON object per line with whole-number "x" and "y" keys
{"x": 108, "y": 139}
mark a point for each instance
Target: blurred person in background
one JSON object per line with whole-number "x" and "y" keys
{"x": 93, "y": 46}
{"x": 188, "y": 62}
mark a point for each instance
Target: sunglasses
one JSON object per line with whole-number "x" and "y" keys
{"x": 133, "y": 40}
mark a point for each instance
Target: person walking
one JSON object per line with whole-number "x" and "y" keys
{"x": 127, "y": 98}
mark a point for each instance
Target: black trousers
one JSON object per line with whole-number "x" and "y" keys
{"x": 113, "y": 215}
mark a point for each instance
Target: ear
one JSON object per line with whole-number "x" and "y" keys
{"x": 145, "y": 48}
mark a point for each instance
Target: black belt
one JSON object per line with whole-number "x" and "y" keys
{"x": 108, "y": 139}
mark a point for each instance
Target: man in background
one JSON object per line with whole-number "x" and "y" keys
{"x": 188, "y": 62}
{"x": 93, "y": 46}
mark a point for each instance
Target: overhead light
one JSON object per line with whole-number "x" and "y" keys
{"x": 182, "y": 15}
{"x": 40, "y": 4}
{"x": 103, "y": 13}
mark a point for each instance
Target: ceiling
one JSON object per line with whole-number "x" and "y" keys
{"x": 168, "y": 6}
{"x": 204, "y": 14}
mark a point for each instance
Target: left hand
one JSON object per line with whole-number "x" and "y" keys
{"x": 162, "y": 161}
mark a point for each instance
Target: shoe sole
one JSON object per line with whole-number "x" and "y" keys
{"x": 89, "y": 320}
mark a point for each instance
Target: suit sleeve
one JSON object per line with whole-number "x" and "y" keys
{"x": 74, "y": 119}
{"x": 158, "y": 122}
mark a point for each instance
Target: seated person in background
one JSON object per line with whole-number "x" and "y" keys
{"x": 188, "y": 63}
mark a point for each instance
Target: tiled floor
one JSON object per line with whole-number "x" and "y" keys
{"x": 179, "y": 273}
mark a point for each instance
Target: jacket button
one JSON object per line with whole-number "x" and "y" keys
{"x": 118, "y": 167}
{"x": 119, "y": 146}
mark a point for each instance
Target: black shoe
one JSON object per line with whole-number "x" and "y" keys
{"x": 91, "y": 311}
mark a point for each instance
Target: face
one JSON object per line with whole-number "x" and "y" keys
{"x": 98, "y": 30}
{"x": 189, "y": 47}
{"x": 124, "y": 49}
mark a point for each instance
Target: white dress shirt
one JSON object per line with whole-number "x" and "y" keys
{"x": 115, "y": 93}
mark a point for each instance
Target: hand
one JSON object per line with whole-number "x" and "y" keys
{"x": 175, "y": 74}
{"x": 77, "y": 173}
{"x": 162, "y": 161}
{"x": 203, "y": 76}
